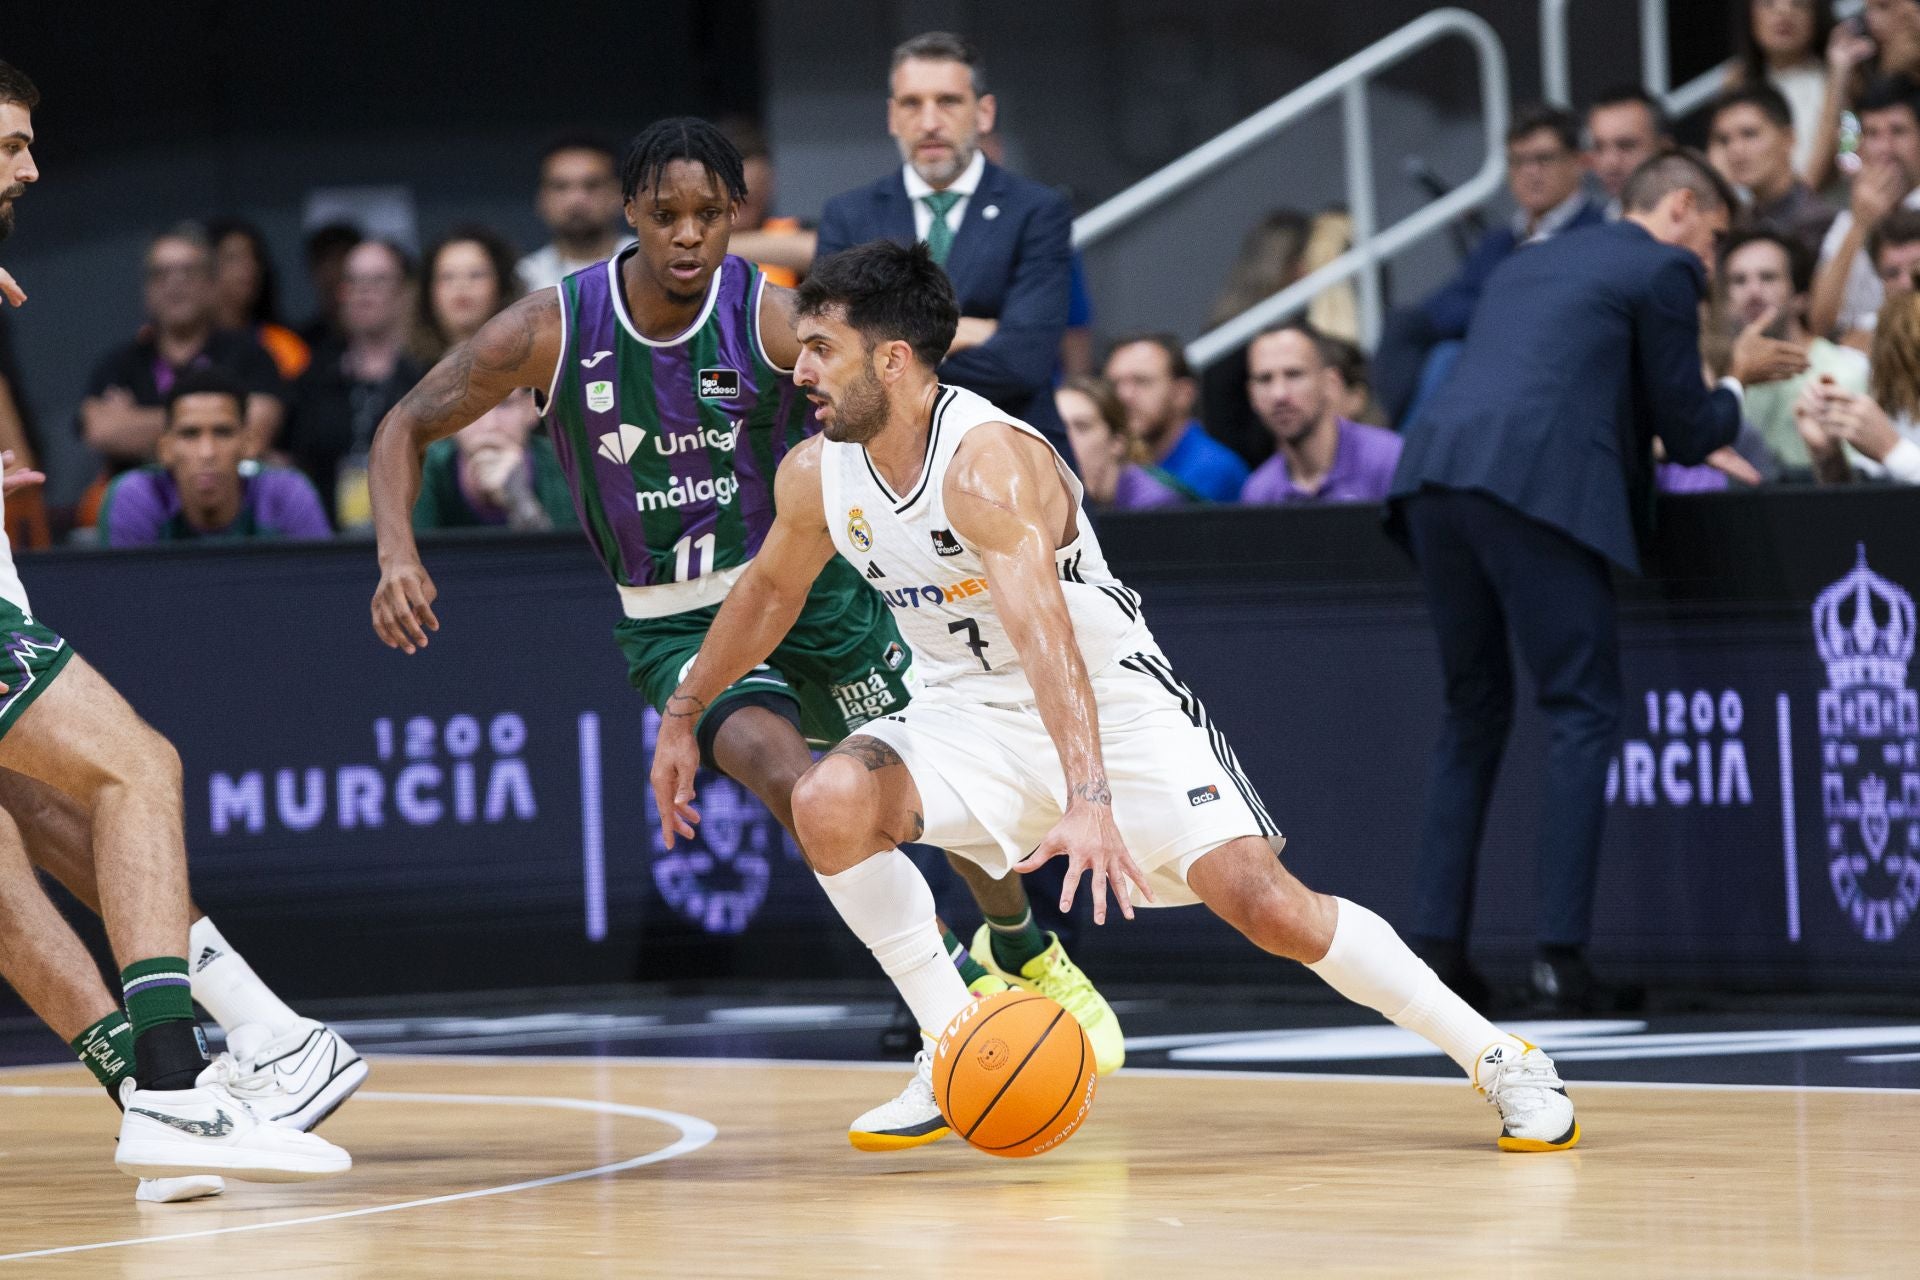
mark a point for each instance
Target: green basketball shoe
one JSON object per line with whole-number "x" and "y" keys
{"x": 1053, "y": 975}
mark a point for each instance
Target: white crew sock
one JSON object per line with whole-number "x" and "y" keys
{"x": 889, "y": 906}
{"x": 1370, "y": 965}
{"x": 226, "y": 985}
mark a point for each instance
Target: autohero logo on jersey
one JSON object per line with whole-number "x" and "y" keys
{"x": 923, "y": 597}
{"x": 428, "y": 773}
{"x": 719, "y": 384}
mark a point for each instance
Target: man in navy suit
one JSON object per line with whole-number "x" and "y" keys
{"x": 1528, "y": 477}
{"x": 1004, "y": 241}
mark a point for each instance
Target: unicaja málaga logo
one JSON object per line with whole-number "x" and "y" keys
{"x": 1870, "y": 751}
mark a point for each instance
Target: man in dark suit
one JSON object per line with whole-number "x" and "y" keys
{"x": 1527, "y": 477}
{"x": 1005, "y": 241}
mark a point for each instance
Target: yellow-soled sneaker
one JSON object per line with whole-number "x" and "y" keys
{"x": 1054, "y": 975}
{"x": 1535, "y": 1112}
{"x": 911, "y": 1120}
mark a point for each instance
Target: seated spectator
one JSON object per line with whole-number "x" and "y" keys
{"x": 579, "y": 201}
{"x": 246, "y": 295}
{"x": 1752, "y": 133}
{"x": 1626, "y": 128}
{"x": 469, "y": 278}
{"x": 1783, "y": 44}
{"x": 354, "y": 380}
{"x": 1295, "y": 385}
{"x": 1272, "y": 256}
{"x": 1883, "y": 41}
{"x": 1846, "y": 293}
{"x": 1894, "y": 250}
{"x": 1876, "y": 435}
{"x": 326, "y": 251}
{"x": 1766, "y": 277}
{"x": 1356, "y": 402}
{"x": 495, "y": 472}
{"x": 1544, "y": 169}
{"x": 121, "y": 416}
{"x": 780, "y": 246}
{"x": 1103, "y": 452}
{"x": 204, "y": 486}
{"x": 1150, "y": 376}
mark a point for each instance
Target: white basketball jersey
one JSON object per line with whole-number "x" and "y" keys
{"x": 936, "y": 585}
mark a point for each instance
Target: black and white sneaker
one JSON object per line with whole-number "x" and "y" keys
{"x": 309, "y": 1061}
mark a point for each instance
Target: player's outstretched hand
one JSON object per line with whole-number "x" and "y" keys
{"x": 23, "y": 478}
{"x": 676, "y": 758}
{"x": 9, "y": 290}
{"x": 1091, "y": 842}
{"x": 403, "y": 606}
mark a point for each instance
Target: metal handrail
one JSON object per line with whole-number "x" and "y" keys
{"x": 1371, "y": 247}
{"x": 1655, "y": 68}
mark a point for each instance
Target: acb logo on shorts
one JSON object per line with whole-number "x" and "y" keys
{"x": 1203, "y": 795}
{"x": 859, "y": 532}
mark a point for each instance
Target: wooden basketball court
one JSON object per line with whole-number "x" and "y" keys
{"x": 582, "y": 1167}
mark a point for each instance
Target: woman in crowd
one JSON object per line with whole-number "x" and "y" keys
{"x": 1876, "y": 435}
{"x": 246, "y": 293}
{"x": 497, "y": 472}
{"x": 468, "y": 277}
{"x": 1103, "y": 452}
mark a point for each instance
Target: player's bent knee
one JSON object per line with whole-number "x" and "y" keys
{"x": 834, "y": 814}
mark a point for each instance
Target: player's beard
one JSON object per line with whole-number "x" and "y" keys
{"x": 860, "y": 412}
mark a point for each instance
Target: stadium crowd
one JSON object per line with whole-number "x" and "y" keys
{"x": 223, "y": 417}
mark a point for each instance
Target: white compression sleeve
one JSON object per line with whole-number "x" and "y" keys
{"x": 889, "y": 906}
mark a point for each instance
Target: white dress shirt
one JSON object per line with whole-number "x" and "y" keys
{"x": 963, "y": 186}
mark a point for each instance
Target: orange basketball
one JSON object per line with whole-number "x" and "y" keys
{"x": 1013, "y": 1074}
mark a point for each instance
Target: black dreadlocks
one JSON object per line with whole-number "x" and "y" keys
{"x": 682, "y": 138}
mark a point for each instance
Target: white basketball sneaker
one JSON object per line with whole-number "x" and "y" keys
{"x": 315, "y": 1067}
{"x": 213, "y": 1128}
{"x": 911, "y": 1120}
{"x": 176, "y": 1190}
{"x": 1522, "y": 1083}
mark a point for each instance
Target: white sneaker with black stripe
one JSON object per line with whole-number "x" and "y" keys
{"x": 310, "y": 1062}
{"x": 1525, "y": 1087}
{"x": 214, "y": 1128}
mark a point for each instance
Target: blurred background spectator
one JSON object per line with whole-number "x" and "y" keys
{"x": 1297, "y": 391}
{"x": 1750, "y": 132}
{"x": 326, "y": 257}
{"x": 497, "y": 472}
{"x": 1876, "y": 435}
{"x": 1103, "y": 453}
{"x": 1765, "y": 276}
{"x": 1356, "y": 382}
{"x": 781, "y": 246}
{"x": 1625, "y": 127}
{"x": 1846, "y": 292}
{"x": 467, "y": 278}
{"x": 1784, "y": 44}
{"x": 1544, "y": 171}
{"x": 246, "y": 294}
{"x": 205, "y": 486}
{"x": 1179, "y": 461}
{"x": 121, "y": 416}
{"x": 578, "y": 200}
{"x": 354, "y": 379}
{"x": 1004, "y": 241}
{"x": 1882, "y": 40}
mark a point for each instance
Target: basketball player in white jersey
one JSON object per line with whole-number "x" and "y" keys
{"x": 73, "y": 740}
{"x": 1050, "y": 725}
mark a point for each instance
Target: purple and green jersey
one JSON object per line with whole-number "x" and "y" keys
{"x": 670, "y": 447}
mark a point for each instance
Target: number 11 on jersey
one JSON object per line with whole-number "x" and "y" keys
{"x": 692, "y": 557}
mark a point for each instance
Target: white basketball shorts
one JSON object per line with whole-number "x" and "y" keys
{"x": 992, "y": 787}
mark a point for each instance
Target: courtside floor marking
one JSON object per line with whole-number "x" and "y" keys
{"x": 694, "y": 1134}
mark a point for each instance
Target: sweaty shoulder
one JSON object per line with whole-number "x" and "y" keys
{"x": 796, "y": 487}
{"x": 1001, "y": 465}
{"x": 777, "y": 320}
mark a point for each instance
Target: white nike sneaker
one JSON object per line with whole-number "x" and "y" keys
{"x": 213, "y": 1128}
{"x": 911, "y": 1120}
{"x": 309, "y": 1061}
{"x": 1523, "y": 1084}
{"x": 176, "y": 1190}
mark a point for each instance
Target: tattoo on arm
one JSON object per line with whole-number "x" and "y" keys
{"x": 684, "y": 706}
{"x": 1095, "y": 791}
{"x": 871, "y": 752}
{"x": 494, "y": 357}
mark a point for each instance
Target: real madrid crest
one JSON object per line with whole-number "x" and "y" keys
{"x": 859, "y": 532}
